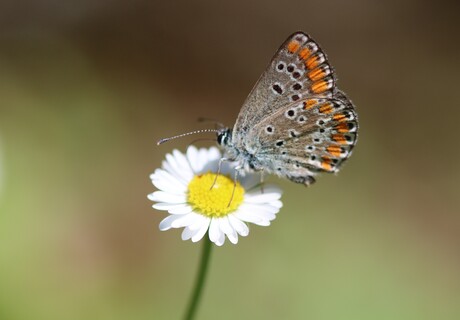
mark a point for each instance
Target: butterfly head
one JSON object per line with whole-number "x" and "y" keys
{"x": 224, "y": 137}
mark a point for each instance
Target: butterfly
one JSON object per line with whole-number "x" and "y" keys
{"x": 295, "y": 123}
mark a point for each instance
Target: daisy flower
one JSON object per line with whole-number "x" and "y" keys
{"x": 185, "y": 192}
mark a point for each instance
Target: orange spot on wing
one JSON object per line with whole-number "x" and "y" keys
{"x": 327, "y": 108}
{"x": 340, "y": 117}
{"x": 320, "y": 86}
{"x": 326, "y": 164}
{"x": 293, "y": 46}
{"x": 312, "y": 62}
{"x": 335, "y": 150}
{"x": 339, "y": 138}
{"x": 304, "y": 53}
{"x": 309, "y": 103}
{"x": 316, "y": 74}
{"x": 342, "y": 127}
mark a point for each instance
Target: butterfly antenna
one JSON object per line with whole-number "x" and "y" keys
{"x": 185, "y": 134}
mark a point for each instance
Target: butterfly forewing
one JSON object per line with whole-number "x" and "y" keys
{"x": 298, "y": 70}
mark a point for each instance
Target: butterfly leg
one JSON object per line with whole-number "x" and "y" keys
{"x": 219, "y": 167}
{"x": 235, "y": 180}
{"x": 262, "y": 182}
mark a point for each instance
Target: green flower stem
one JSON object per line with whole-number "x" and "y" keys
{"x": 200, "y": 280}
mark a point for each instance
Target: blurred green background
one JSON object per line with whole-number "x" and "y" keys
{"x": 88, "y": 87}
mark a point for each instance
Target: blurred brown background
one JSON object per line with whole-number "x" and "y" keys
{"x": 88, "y": 87}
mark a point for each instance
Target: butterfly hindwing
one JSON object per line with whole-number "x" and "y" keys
{"x": 306, "y": 137}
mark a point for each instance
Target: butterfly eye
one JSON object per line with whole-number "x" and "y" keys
{"x": 222, "y": 138}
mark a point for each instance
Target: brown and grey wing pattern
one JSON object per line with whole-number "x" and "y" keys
{"x": 307, "y": 137}
{"x": 298, "y": 70}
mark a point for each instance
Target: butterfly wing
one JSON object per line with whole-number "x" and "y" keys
{"x": 306, "y": 137}
{"x": 298, "y": 70}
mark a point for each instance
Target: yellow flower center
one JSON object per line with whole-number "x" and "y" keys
{"x": 216, "y": 201}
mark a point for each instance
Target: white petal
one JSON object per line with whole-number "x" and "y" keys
{"x": 167, "y": 206}
{"x": 175, "y": 165}
{"x": 201, "y": 231}
{"x": 168, "y": 183}
{"x": 183, "y": 209}
{"x": 238, "y": 225}
{"x": 277, "y": 204}
{"x": 258, "y": 209}
{"x": 228, "y": 230}
{"x": 184, "y": 220}
{"x": 262, "y": 197}
{"x": 214, "y": 154}
{"x": 252, "y": 218}
{"x": 214, "y": 230}
{"x": 165, "y": 174}
{"x": 202, "y": 157}
{"x": 221, "y": 240}
{"x": 187, "y": 233}
{"x": 263, "y": 213}
{"x": 265, "y": 189}
{"x": 197, "y": 230}
{"x": 161, "y": 196}
{"x": 212, "y": 161}
{"x": 225, "y": 225}
{"x": 178, "y": 175}
{"x": 215, "y": 233}
{"x": 165, "y": 224}
{"x": 166, "y": 186}
{"x": 200, "y": 220}
{"x": 173, "y": 208}
{"x": 182, "y": 161}
{"x": 192, "y": 156}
